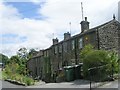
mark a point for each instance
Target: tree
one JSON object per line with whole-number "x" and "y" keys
{"x": 114, "y": 61}
{"x": 22, "y": 53}
{"x": 31, "y": 53}
{"x": 4, "y": 59}
{"x": 15, "y": 59}
{"x": 88, "y": 48}
{"x": 96, "y": 58}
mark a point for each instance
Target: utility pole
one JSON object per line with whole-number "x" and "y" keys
{"x": 82, "y": 11}
{"x": 53, "y": 35}
{"x": 70, "y": 27}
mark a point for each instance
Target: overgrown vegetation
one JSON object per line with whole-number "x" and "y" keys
{"x": 95, "y": 58}
{"x": 4, "y": 59}
{"x": 15, "y": 68}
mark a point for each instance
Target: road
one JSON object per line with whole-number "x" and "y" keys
{"x": 5, "y": 84}
{"x": 74, "y": 84}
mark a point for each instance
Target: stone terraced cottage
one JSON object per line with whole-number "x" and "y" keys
{"x": 67, "y": 52}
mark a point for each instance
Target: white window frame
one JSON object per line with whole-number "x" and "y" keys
{"x": 65, "y": 46}
{"x": 73, "y": 44}
{"x": 80, "y": 43}
{"x": 56, "y": 49}
{"x": 60, "y": 48}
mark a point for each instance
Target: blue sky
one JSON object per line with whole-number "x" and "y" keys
{"x": 12, "y": 37}
{"x": 32, "y": 24}
{"x": 28, "y": 9}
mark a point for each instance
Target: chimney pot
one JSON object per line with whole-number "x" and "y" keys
{"x": 55, "y": 41}
{"x": 85, "y": 18}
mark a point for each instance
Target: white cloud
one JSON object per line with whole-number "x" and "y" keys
{"x": 36, "y": 31}
{"x": 59, "y": 13}
{"x": 38, "y": 1}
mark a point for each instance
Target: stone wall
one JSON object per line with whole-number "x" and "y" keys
{"x": 105, "y": 37}
{"x": 108, "y": 36}
{"x": 119, "y": 40}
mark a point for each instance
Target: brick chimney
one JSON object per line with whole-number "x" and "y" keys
{"x": 55, "y": 41}
{"x": 84, "y": 25}
{"x": 67, "y": 35}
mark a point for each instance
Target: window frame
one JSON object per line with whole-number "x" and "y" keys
{"x": 73, "y": 44}
{"x": 60, "y": 48}
{"x": 55, "y": 50}
{"x": 65, "y": 46}
{"x": 80, "y": 43}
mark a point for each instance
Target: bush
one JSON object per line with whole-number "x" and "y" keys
{"x": 16, "y": 71}
{"x": 19, "y": 78}
{"x": 95, "y": 58}
{"x": 12, "y": 72}
{"x": 4, "y": 75}
{"x": 60, "y": 77}
{"x": 28, "y": 81}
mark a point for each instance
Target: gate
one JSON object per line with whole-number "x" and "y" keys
{"x": 100, "y": 74}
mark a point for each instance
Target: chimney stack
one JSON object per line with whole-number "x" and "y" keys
{"x": 55, "y": 41}
{"x": 67, "y": 35}
{"x": 84, "y": 25}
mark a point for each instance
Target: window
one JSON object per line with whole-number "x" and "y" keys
{"x": 47, "y": 53}
{"x": 60, "y": 48}
{"x": 80, "y": 43}
{"x": 73, "y": 44}
{"x": 65, "y": 47}
{"x": 55, "y": 49}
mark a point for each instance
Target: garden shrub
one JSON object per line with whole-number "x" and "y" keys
{"x": 28, "y": 81}
{"x": 61, "y": 76}
{"x": 11, "y": 71}
{"x": 95, "y": 58}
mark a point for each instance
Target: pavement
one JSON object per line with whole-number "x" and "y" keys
{"x": 0, "y": 74}
{"x": 112, "y": 84}
{"x": 73, "y": 84}
{"x": 6, "y": 84}
{"x": 0, "y": 79}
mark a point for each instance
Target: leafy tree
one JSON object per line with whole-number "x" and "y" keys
{"x": 20, "y": 59}
{"x": 88, "y": 48}
{"x": 4, "y": 59}
{"x": 31, "y": 53}
{"x": 23, "y": 56}
{"x": 21, "y": 67}
{"x": 113, "y": 56}
{"x": 22, "y": 53}
{"x": 95, "y": 58}
{"x": 15, "y": 59}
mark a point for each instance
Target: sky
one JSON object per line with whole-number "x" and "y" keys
{"x": 119, "y": 11}
{"x": 34, "y": 23}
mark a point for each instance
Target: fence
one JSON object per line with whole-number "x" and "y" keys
{"x": 99, "y": 74}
